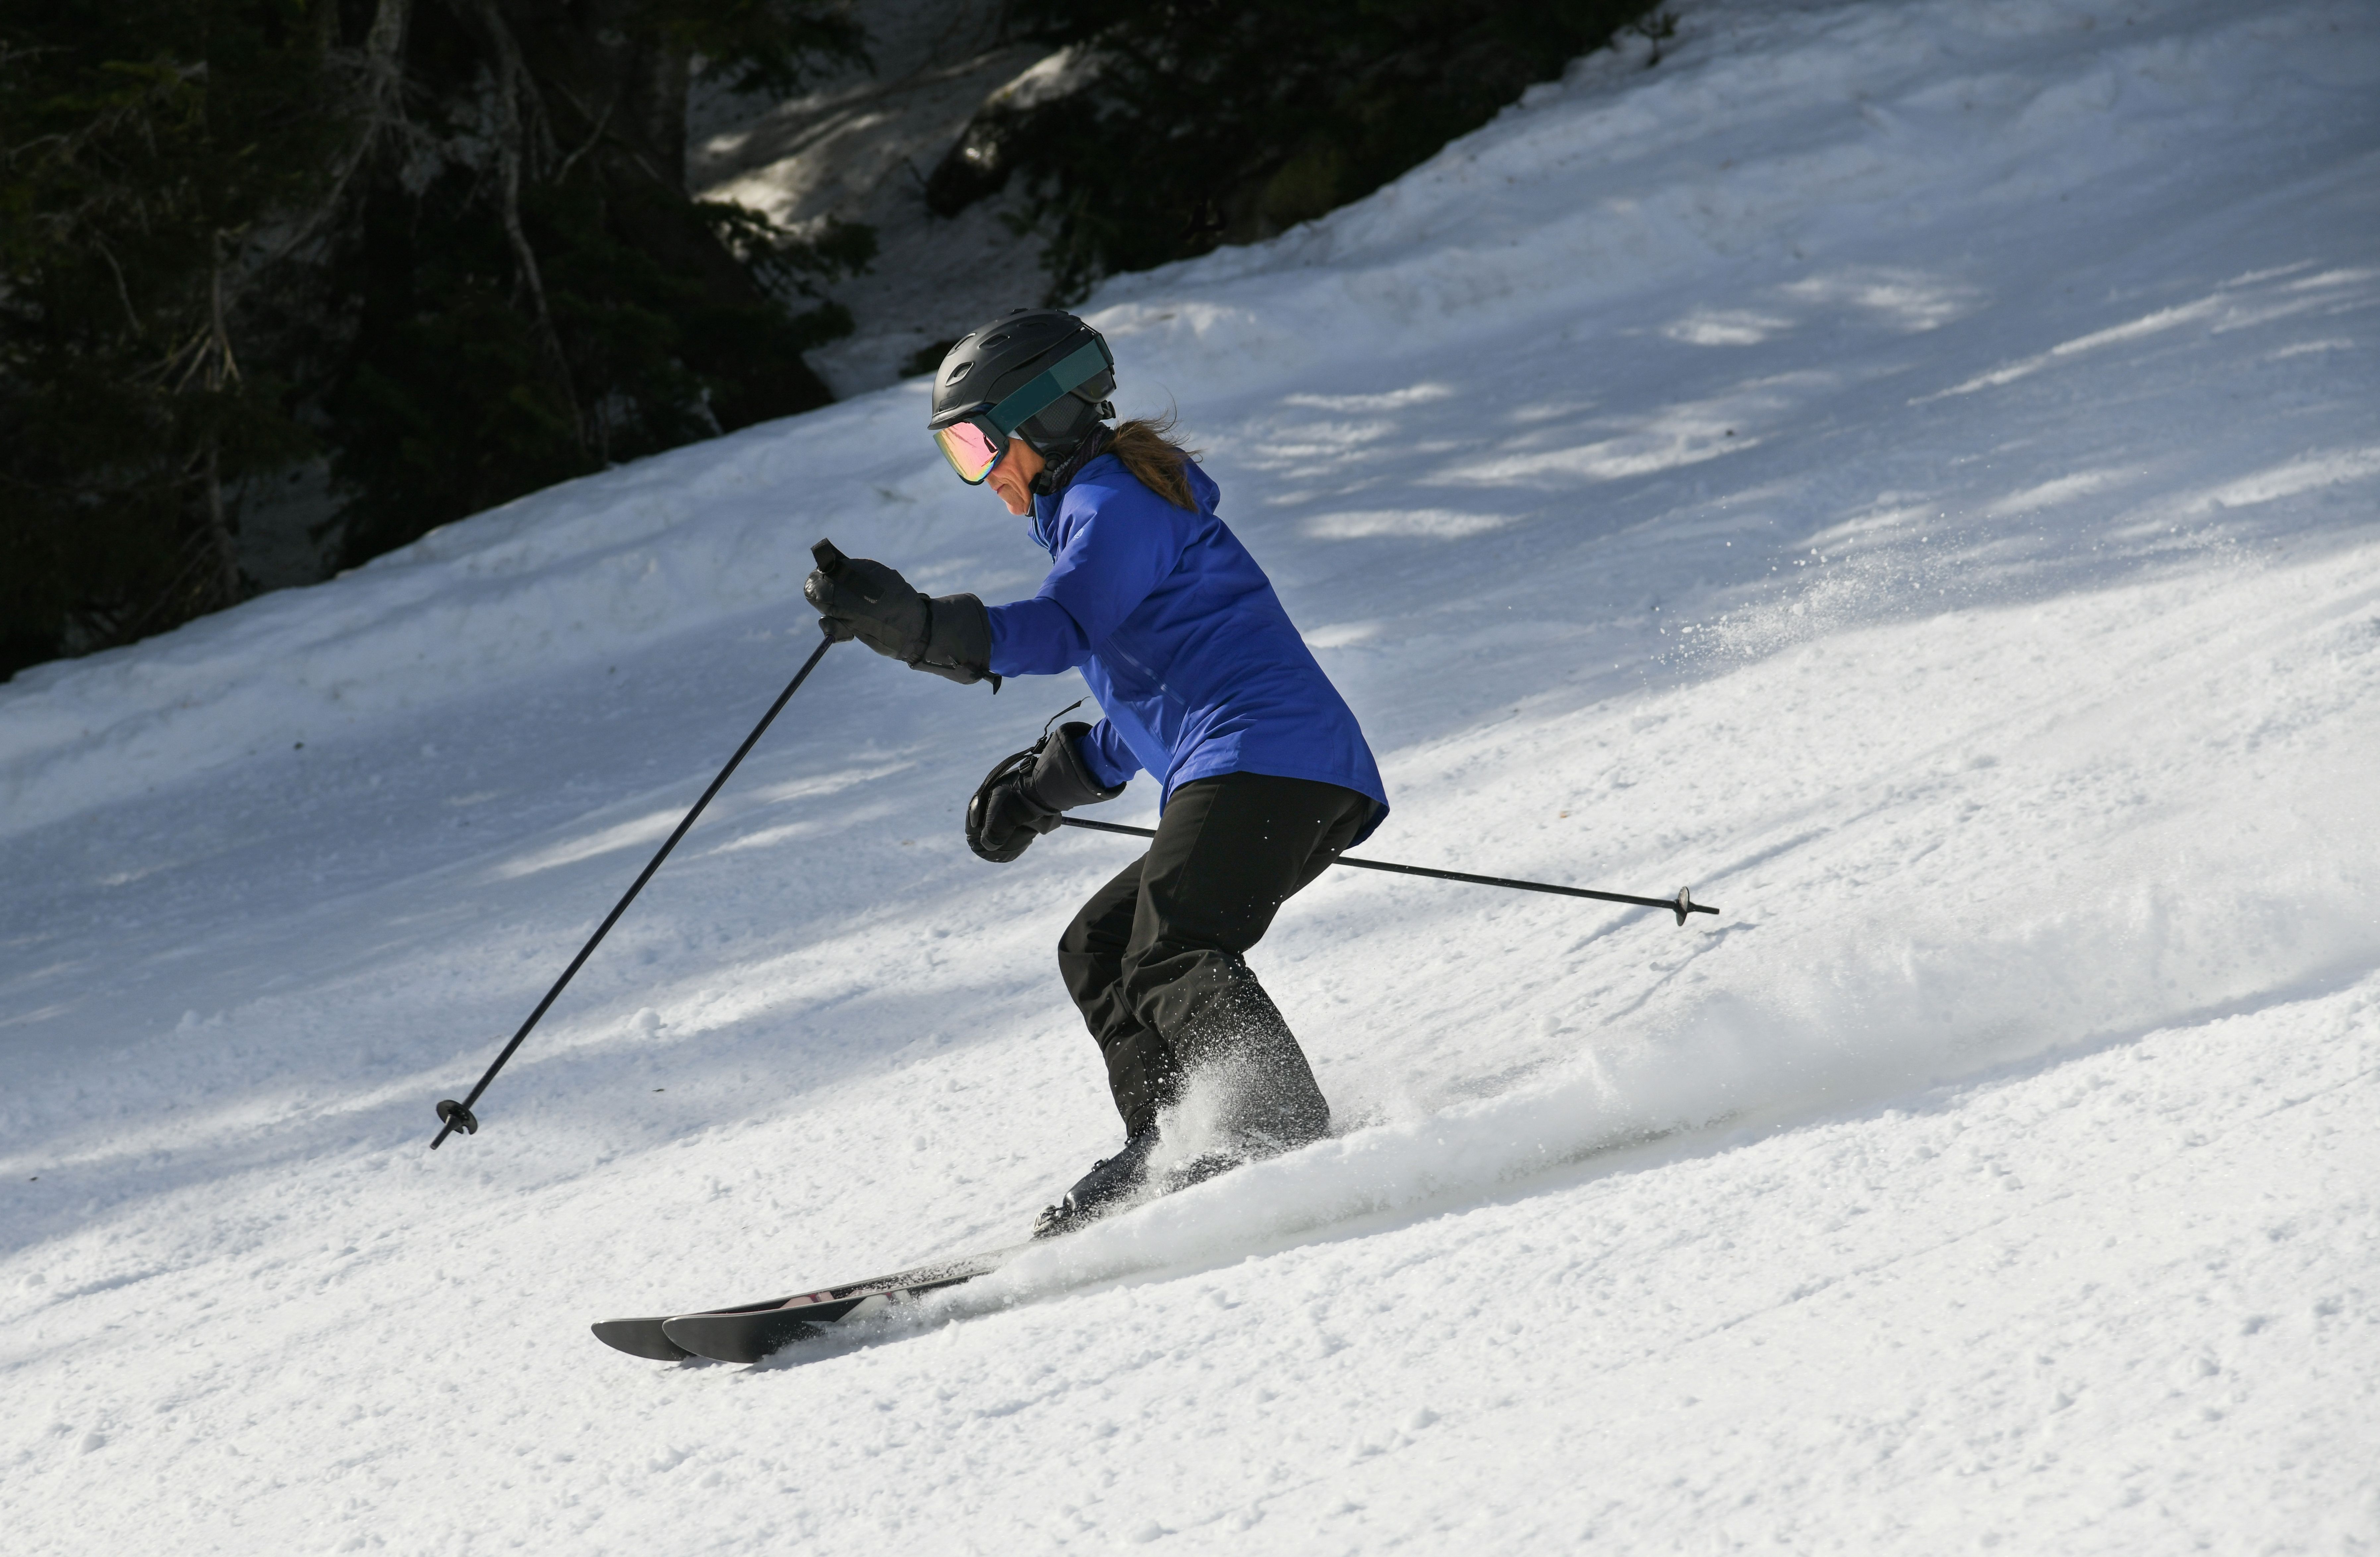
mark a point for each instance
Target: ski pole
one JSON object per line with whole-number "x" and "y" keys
{"x": 453, "y": 1116}
{"x": 1680, "y": 905}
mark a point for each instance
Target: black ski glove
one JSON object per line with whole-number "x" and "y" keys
{"x": 949, "y": 636}
{"x": 1021, "y": 797}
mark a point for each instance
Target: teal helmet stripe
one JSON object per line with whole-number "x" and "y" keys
{"x": 1038, "y": 394}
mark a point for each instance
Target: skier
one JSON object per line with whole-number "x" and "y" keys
{"x": 1204, "y": 683}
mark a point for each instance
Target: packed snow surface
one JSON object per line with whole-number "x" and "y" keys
{"x": 1908, "y": 470}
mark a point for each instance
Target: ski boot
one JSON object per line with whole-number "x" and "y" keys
{"x": 1111, "y": 1184}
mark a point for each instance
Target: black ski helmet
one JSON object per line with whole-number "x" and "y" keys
{"x": 991, "y": 363}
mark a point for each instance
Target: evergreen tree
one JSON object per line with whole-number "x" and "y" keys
{"x": 532, "y": 294}
{"x": 445, "y": 244}
{"x": 146, "y": 148}
{"x": 1203, "y": 122}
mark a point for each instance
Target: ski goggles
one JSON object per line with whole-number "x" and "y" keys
{"x": 976, "y": 439}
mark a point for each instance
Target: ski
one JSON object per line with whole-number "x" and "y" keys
{"x": 643, "y": 1337}
{"x": 751, "y": 1331}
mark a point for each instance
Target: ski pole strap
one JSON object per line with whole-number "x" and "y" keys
{"x": 1680, "y": 905}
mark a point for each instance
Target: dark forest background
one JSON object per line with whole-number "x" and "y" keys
{"x": 446, "y": 248}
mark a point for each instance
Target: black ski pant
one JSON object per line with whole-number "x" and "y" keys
{"x": 1156, "y": 959}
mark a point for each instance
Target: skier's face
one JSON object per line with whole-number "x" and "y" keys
{"x": 1013, "y": 477}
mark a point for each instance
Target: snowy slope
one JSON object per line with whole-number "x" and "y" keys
{"x": 1908, "y": 470}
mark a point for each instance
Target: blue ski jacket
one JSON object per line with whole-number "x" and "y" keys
{"x": 1197, "y": 667}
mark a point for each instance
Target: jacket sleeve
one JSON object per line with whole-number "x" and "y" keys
{"x": 1105, "y": 754}
{"x": 1036, "y": 637}
{"x": 1120, "y": 544}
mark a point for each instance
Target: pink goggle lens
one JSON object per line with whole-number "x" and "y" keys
{"x": 969, "y": 450}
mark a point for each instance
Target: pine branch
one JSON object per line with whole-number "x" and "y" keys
{"x": 511, "y": 74}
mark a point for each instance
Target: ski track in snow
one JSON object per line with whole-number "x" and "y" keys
{"x": 1908, "y": 470}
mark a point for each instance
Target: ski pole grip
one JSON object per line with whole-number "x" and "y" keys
{"x": 829, "y": 562}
